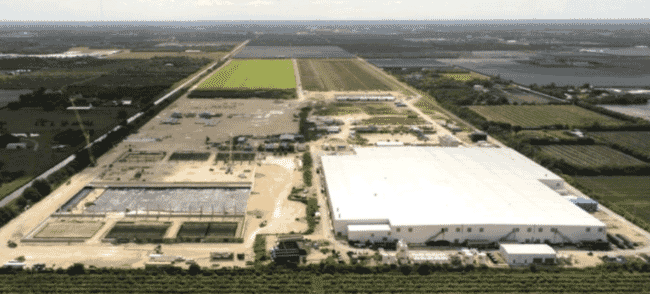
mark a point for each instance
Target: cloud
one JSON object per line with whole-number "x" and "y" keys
{"x": 212, "y": 3}
{"x": 260, "y": 3}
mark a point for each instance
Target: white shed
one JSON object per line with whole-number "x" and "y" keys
{"x": 524, "y": 254}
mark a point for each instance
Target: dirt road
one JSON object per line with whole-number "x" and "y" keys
{"x": 301, "y": 94}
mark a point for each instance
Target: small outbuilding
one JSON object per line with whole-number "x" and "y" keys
{"x": 588, "y": 205}
{"x": 478, "y": 136}
{"x": 525, "y": 254}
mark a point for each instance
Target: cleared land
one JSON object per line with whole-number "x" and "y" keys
{"x": 637, "y": 142}
{"x": 628, "y": 192}
{"x": 346, "y": 108}
{"x": 69, "y": 229}
{"x": 339, "y": 75}
{"x": 544, "y": 115}
{"x": 253, "y": 74}
{"x": 591, "y": 156}
{"x": 127, "y": 54}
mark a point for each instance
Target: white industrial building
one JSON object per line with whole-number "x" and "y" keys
{"x": 458, "y": 195}
{"x": 522, "y": 254}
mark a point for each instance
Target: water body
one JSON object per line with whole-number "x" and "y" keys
{"x": 529, "y": 74}
{"x": 642, "y": 111}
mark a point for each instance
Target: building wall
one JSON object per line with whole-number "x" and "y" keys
{"x": 523, "y": 259}
{"x": 492, "y": 233}
{"x": 373, "y": 236}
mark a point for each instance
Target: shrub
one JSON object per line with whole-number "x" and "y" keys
{"x": 32, "y": 195}
{"x": 42, "y": 186}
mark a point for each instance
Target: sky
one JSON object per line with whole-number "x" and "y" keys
{"x": 188, "y": 10}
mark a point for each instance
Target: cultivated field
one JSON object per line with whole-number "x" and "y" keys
{"x": 205, "y": 229}
{"x": 544, "y": 115}
{"x": 127, "y": 54}
{"x": 340, "y": 75}
{"x": 628, "y": 192}
{"x": 345, "y": 108}
{"x": 637, "y": 142}
{"x": 590, "y": 156}
{"x": 253, "y": 74}
{"x": 463, "y": 77}
{"x": 69, "y": 229}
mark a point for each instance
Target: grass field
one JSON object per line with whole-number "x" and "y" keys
{"x": 463, "y": 77}
{"x": 7, "y": 188}
{"x": 628, "y": 192}
{"x": 590, "y": 156}
{"x": 638, "y": 142}
{"x": 544, "y": 115}
{"x": 253, "y": 74}
{"x": 127, "y": 54}
{"x": 340, "y": 75}
{"x": 70, "y": 229}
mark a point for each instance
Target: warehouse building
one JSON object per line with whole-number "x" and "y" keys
{"x": 524, "y": 254}
{"x": 457, "y": 195}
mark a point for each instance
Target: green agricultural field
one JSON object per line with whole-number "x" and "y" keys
{"x": 464, "y": 77}
{"x": 252, "y": 74}
{"x": 341, "y": 75}
{"x": 627, "y": 192}
{"x": 544, "y": 115}
{"x": 591, "y": 156}
{"x": 8, "y": 188}
{"x": 636, "y": 142}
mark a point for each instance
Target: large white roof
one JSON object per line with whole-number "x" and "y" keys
{"x": 527, "y": 249}
{"x": 446, "y": 186}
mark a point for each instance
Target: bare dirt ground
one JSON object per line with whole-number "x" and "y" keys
{"x": 615, "y": 226}
{"x": 331, "y": 95}
{"x": 405, "y": 138}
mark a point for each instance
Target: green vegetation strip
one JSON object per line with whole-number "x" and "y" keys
{"x": 544, "y": 115}
{"x": 8, "y": 188}
{"x": 319, "y": 278}
{"x": 253, "y": 74}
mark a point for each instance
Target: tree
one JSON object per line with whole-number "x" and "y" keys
{"x": 32, "y": 195}
{"x": 42, "y": 186}
{"x": 194, "y": 269}
{"x": 76, "y": 269}
{"x": 122, "y": 114}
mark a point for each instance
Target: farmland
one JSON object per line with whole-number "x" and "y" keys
{"x": 128, "y": 54}
{"x": 464, "y": 77}
{"x": 636, "y": 142}
{"x": 340, "y": 75}
{"x": 293, "y": 52}
{"x": 420, "y": 279}
{"x": 253, "y": 74}
{"x": 590, "y": 156}
{"x": 544, "y": 115}
{"x": 627, "y": 192}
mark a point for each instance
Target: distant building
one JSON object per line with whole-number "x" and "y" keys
{"x": 16, "y": 146}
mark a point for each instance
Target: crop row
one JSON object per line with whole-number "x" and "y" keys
{"x": 544, "y": 115}
{"x": 590, "y": 155}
